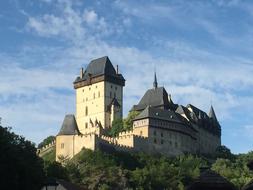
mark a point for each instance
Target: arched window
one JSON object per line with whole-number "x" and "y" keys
{"x": 94, "y": 95}
{"x": 98, "y": 94}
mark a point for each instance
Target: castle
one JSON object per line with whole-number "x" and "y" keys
{"x": 161, "y": 127}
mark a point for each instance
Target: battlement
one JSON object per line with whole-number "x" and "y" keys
{"x": 126, "y": 133}
{"x": 109, "y": 139}
{"x": 46, "y": 148}
{"x": 109, "y": 146}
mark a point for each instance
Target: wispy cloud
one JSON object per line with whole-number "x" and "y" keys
{"x": 36, "y": 82}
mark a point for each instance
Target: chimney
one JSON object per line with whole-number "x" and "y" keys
{"x": 117, "y": 69}
{"x": 81, "y": 73}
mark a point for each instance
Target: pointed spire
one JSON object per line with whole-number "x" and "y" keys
{"x": 212, "y": 114}
{"x": 155, "y": 81}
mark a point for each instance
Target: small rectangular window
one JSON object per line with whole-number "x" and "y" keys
{"x": 86, "y": 125}
{"x": 86, "y": 110}
{"x": 62, "y": 145}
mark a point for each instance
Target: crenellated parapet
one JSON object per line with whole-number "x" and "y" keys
{"x": 46, "y": 148}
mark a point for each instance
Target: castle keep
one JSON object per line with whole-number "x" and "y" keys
{"x": 160, "y": 127}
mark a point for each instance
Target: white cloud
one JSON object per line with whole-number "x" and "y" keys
{"x": 190, "y": 74}
{"x": 90, "y": 16}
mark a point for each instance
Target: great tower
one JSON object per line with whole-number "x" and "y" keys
{"x": 99, "y": 94}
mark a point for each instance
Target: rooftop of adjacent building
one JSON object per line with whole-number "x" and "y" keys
{"x": 210, "y": 180}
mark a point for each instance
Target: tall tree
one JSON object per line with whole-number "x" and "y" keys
{"x": 20, "y": 167}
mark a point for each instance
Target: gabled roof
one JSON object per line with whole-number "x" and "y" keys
{"x": 115, "y": 102}
{"x": 198, "y": 112}
{"x": 183, "y": 110}
{"x": 210, "y": 180}
{"x": 69, "y": 126}
{"x": 154, "y": 97}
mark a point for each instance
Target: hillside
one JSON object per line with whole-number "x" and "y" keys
{"x": 99, "y": 170}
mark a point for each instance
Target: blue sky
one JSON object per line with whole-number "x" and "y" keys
{"x": 202, "y": 52}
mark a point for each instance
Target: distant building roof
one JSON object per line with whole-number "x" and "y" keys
{"x": 69, "y": 126}
{"x": 99, "y": 67}
{"x": 198, "y": 112}
{"x": 210, "y": 180}
{"x": 156, "y": 113}
{"x": 155, "y": 97}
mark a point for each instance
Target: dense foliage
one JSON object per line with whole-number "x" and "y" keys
{"x": 99, "y": 170}
{"x": 120, "y": 125}
{"x": 235, "y": 170}
{"x": 20, "y": 167}
{"x": 46, "y": 141}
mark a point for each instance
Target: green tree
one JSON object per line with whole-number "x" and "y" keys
{"x": 117, "y": 127}
{"x": 55, "y": 170}
{"x": 46, "y": 141}
{"x": 20, "y": 166}
{"x": 224, "y": 152}
{"x": 128, "y": 121}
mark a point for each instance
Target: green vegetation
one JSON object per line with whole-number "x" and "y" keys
{"x": 235, "y": 170}
{"x": 49, "y": 156}
{"x": 20, "y": 167}
{"x": 119, "y": 125}
{"x": 118, "y": 170}
{"x": 46, "y": 141}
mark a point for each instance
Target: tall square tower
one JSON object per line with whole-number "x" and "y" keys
{"x": 99, "y": 94}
